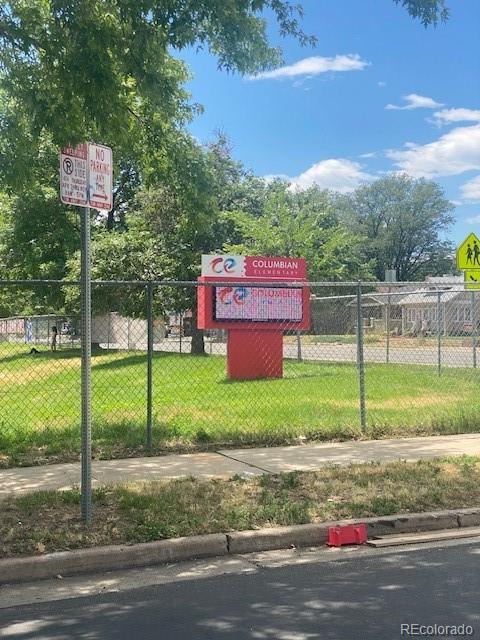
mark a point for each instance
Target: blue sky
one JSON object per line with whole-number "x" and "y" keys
{"x": 343, "y": 126}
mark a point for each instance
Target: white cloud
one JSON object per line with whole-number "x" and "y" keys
{"x": 381, "y": 83}
{"x": 314, "y": 66}
{"x": 414, "y": 101}
{"x": 338, "y": 174}
{"x": 453, "y": 153}
{"x": 445, "y": 116}
{"x": 471, "y": 190}
{"x": 474, "y": 220}
{"x": 372, "y": 154}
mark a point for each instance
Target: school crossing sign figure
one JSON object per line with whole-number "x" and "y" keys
{"x": 468, "y": 253}
{"x": 468, "y": 261}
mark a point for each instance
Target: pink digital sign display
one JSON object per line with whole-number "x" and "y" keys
{"x": 258, "y": 304}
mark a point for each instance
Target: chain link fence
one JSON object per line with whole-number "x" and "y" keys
{"x": 378, "y": 359}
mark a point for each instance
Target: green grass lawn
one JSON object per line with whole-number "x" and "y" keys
{"x": 196, "y": 407}
{"x": 49, "y": 521}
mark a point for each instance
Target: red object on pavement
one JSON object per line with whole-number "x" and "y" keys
{"x": 347, "y": 534}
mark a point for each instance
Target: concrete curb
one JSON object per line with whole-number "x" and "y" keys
{"x": 112, "y": 557}
{"x": 118, "y": 557}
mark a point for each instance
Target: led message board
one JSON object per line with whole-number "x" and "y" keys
{"x": 257, "y": 304}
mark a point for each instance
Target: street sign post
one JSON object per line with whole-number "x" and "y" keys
{"x": 86, "y": 180}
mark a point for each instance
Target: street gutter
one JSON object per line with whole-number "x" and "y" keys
{"x": 116, "y": 557}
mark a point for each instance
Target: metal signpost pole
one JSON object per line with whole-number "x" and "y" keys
{"x": 86, "y": 181}
{"x": 360, "y": 358}
{"x": 86, "y": 312}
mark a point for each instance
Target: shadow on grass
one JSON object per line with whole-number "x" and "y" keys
{"x": 45, "y": 354}
{"x": 141, "y": 358}
{"x": 293, "y": 371}
{"x": 119, "y": 363}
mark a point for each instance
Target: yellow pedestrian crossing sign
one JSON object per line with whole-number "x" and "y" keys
{"x": 468, "y": 253}
{"x": 472, "y": 279}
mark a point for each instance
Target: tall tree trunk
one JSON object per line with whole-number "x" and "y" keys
{"x": 198, "y": 343}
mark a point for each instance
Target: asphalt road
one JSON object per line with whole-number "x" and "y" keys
{"x": 450, "y": 356}
{"x": 369, "y": 595}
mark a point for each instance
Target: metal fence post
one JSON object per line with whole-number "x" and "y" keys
{"x": 109, "y": 329}
{"x": 180, "y": 332}
{"x": 86, "y": 305}
{"x": 360, "y": 359}
{"x": 299, "y": 346}
{"x": 474, "y": 331}
{"x": 149, "y": 362}
{"x": 387, "y": 322}
{"x": 439, "y": 334}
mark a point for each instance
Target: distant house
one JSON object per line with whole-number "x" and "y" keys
{"x": 382, "y": 308}
{"x": 455, "y": 311}
{"x": 412, "y": 309}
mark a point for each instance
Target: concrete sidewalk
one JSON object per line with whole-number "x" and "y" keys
{"x": 229, "y": 462}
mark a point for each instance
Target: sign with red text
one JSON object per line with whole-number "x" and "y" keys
{"x": 86, "y": 176}
{"x": 231, "y": 266}
{"x": 73, "y": 175}
{"x": 100, "y": 177}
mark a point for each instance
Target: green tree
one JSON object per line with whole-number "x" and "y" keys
{"x": 301, "y": 224}
{"x": 168, "y": 227}
{"x": 427, "y": 11}
{"x": 104, "y": 70}
{"x": 403, "y": 221}
{"x": 83, "y": 69}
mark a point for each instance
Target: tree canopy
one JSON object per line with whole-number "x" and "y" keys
{"x": 95, "y": 69}
{"x": 429, "y": 12}
{"x": 300, "y": 224}
{"x": 106, "y": 70}
{"x": 403, "y": 221}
